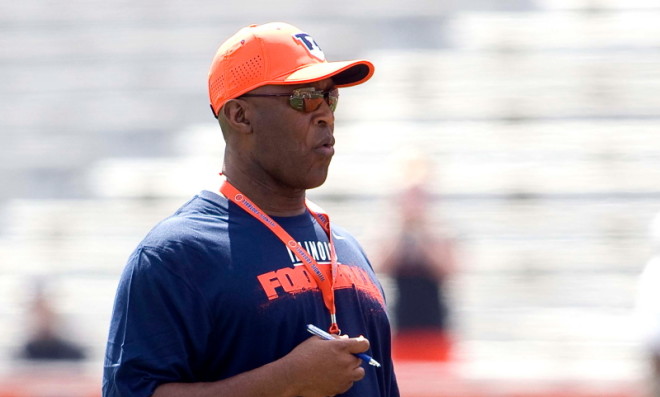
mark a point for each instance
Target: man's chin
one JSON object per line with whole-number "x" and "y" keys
{"x": 316, "y": 180}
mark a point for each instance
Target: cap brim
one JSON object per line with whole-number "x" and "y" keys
{"x": 343, "y": 73}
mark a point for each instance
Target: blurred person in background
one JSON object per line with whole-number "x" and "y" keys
{"x": 46, "y": 341}
{"x": 420, "y": 259}
{"x": 648, "y": 309}
{"x": 216, "y": 299}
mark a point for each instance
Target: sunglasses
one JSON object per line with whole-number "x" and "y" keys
{"x": 307, "y": 99}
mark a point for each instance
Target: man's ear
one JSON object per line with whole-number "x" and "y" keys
{"x": 235, "y": 113}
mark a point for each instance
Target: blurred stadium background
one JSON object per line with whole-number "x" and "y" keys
{"x": 541, "y": 118}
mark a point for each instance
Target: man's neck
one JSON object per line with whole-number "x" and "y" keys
{"x": 272, "y": 199}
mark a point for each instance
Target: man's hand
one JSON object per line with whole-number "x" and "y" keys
{"x": 318, "y": 368}
{"x": 314, "y": 368}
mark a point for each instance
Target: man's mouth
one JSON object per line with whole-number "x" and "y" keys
{"x": 326, "y": 149}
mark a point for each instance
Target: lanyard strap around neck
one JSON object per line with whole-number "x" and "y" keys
{"x": 324, "y": 283}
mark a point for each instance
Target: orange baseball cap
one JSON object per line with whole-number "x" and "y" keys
{"x": 275, "y": 53}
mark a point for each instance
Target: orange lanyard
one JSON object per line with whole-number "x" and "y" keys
{"x": 324, "y": 283}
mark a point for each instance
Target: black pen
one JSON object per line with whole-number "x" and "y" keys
{"x": 324, "y": 335}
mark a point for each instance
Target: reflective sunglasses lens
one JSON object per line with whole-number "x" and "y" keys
{"x": 312, "y": 103}
{"x": 308, "y": 100}
{"x": 297, "y": 102}
{"x": 333, "y": 98}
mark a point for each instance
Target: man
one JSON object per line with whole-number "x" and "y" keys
{"x": 216, "y": 299}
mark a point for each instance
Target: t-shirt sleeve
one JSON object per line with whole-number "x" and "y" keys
{"x": 160, "y": 322}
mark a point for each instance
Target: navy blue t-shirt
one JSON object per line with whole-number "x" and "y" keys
{"x": 211, "y": 293}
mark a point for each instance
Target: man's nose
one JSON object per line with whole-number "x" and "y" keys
{"x": 325, "y": 114}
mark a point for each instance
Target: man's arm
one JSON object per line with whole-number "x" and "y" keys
{"x": 315, "y": 368}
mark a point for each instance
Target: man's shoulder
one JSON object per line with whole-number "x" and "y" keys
{"x": 341, "y": 235}
{"x": 202, "y": 218}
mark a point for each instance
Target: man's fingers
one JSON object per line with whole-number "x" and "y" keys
{"x": 358, "y": 345}
{"x": 359, "y": 373}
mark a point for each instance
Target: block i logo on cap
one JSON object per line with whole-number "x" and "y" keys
{"x": 310, "y": 44}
